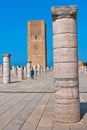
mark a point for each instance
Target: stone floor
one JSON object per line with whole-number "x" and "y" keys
{"x": 28, "y": 105}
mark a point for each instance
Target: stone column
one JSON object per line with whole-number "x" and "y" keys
{"x": 47, "y": 69}
{"x": 38, "y": 69}
{"x": 82, "y": 69}
{"x": 28, "y": 69}
{"x": 85, "y": 69}
{"x": 20, "y": 73}
{"x": 66, "y": 83}
{"x": 14, "y": 70}
{"x": 1, "y": 69}
{"x": 6, "y": 68}
{"x": 41, "y": 70}
{"x": 34, "y": 70}
{"x": 44, "y": 70}
{"x": 25, "y": 72}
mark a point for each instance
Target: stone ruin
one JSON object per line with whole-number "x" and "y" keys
{"x": 19, "y": 71}
{"x": 66, "y": 82}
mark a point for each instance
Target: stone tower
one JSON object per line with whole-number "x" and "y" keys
{"x": 37, "y": 43}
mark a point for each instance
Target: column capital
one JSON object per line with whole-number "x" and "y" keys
{"x": 64, "y": 12}
{"x": 6, "y": 55}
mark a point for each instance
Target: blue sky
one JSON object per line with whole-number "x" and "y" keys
{"x": 14, "y": 15}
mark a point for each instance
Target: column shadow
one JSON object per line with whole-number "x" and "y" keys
{"x": 83, "y": 109}
{"x": 15, "y": 81}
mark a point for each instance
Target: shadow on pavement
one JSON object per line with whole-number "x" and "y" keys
{"x": 83, "y": 109}
{"x": 15, "y": 81}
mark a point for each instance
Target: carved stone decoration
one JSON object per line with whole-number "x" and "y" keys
{"x": 36, "y": 48}
{"x": 62, "y": 12}
{"x": 35, "y": 31}
{"x": 35, "y": 35}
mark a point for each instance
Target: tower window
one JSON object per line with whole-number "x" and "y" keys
{"x": 35, "y": 37}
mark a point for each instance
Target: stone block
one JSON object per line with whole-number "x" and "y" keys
{"x": 67, "y": 118}
{"x": 20, "y": 73}
{"x": 65, "y": 101}
{"x": 67, "y": 93}
{"x": 64, "y": 25}
{"x": 6, "y": 79}
{"x": 80, "y": 128}
{"x": 65, "y": 40}
{"x": 65, "y": 55}
{"x": 58, "y": 83}
{"x": 67, "y": 109}
{"x": 65, "y": 70}
{"x": 60, "y": 126}
{"x": 44, "y": 128}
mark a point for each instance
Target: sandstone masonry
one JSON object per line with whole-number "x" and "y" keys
{"x": 37, "y": 43}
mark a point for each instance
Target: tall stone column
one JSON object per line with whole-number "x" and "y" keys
{"x": 6, "y": 68}
{"x": 25, "y": 72}
{"x": 65, "y": 46}
{"x": 38, "y": 69}
{"x": 1, "y": 69}
{"x": 28, "y": 69}
{"x": 34, "y": 70}
{"x": 14, "y": 70}
{"x": 41, "y": 70}
{"x": 20, "y": 73}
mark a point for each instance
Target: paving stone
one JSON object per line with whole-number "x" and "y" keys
{"x": 12, "y": 127}
{"x": 80, "y": 128}
{"x": 45, "y": 123}
{"x": 44, "y": 128}
{"x": 31, "y": 125}
{"x": 26, "y": 105}
{"x": 10, "y": 114}
{"x": 60, "y": 126}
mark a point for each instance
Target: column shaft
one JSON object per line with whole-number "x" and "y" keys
{"x": 28, "y": 69}
{"x": 20, "y": 73}
{"x": 66, "y": 84}
{"x": 6, "y": 68}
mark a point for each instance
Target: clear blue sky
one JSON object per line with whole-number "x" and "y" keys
{"x": 14, "y": 15}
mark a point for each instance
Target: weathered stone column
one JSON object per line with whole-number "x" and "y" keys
{"x": 14, "y": 70}
{"x": 20, "y": 73}
{"x": 34, "y": 70}
{"x": 25, "y": 72}
{"x": 6, "y": 68}
{"x": 28, "y": 69}
{"x": 41, "y": 70}
{"x": 38, "y": 69}
{"x": 1, "y": 69}
{"x": 67, "y": 107}
{"x": 44, "y": 71}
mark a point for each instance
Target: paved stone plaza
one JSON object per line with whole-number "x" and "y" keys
{"x": 28, "y": 104}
